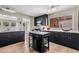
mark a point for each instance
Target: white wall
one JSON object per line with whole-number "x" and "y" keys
{"x": 73, "y": 12}
{"x": 32, "y": 23}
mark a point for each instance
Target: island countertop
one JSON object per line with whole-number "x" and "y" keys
{"x": 39, "y": 32}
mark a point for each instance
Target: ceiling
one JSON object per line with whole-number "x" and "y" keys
{"x": 37, "y": 10}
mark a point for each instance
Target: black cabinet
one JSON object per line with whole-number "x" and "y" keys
{"x": 51, "y": 36}
{"x": 39, "y": 42}
{"x": 56, "y": 37}
{"x": 63, "y": 38}
{"x": 8, "y": 38}
{"x": 75, "y": 40}
{"x": 66, "y": 39}
{"x": 3, "y": 40}
{"x": 42, "y": 18}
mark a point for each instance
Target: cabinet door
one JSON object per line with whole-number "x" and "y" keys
{"x": 63, "y": 38}
{"x": 57, "y": 37}
{"x": 51, "y": 37}
{"x": 43, "y": 19}
{"x": 36, "y": 19}
{"x": 66, "y": 39}
{"x": 75, "y": 40}
{"x": 4, "y": 39}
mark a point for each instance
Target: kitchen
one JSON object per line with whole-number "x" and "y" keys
{"x": 61, "y": 22}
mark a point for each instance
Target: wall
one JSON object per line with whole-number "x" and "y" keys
{"x": 73, "y": 12}
{"x": 78, "y": 18}
{"x": 32, "y": 23}
{"x": 19, "y": 16}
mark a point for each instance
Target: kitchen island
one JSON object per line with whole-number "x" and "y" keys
{"x": 39, "y": 41}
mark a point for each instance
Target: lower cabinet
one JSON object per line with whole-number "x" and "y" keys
{"x": 62, "y": 38}
{"x": 75, "y": 40}
{"x": 51, "y": 36}
{"x": 8, "y": 38}
{"x": 66, "y": 39}
{"x": 57, "y": 37}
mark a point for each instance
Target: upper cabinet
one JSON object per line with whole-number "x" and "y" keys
{"x": 43, "y": 20}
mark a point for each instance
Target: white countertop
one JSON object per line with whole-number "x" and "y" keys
{"x": 65, "y": 31}
{"x": 39, "y": 32}
{"x": 42, "y": 33}
{"x": 8, "y": 31}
